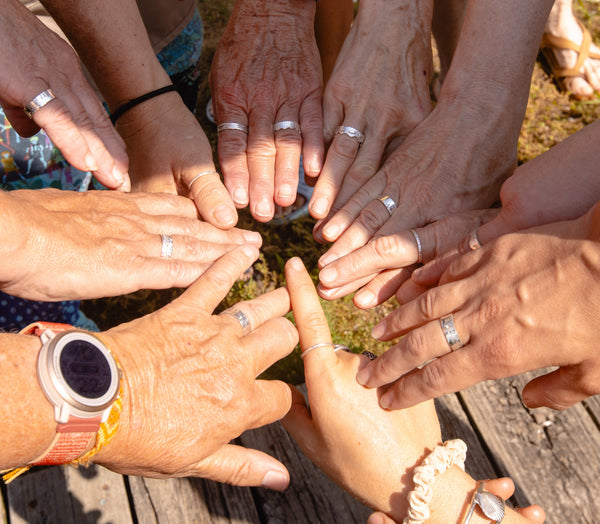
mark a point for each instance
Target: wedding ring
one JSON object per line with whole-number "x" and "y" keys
{"x": 450, "y": 332}
{"x": 473, "y": 241}
{"x": 241, "y": 317}
{"x": 389, "y": 203}
{"x": 341, "y": 347}
{"x": 38, "y": 102}
{"x": 419, "y": 245}
{"x": 286, "y": 124}
{"x": 166, "y": 250}
{"x": 232, "y": 126}
{"x": 336, "y": 347}
{"x": 352, "y": 132}
{"x": 201, "y": 175}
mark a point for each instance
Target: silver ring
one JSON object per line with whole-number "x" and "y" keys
{"x": 201, "y": 175}
{"x": 473, "y": 241}
{"x": 336, "y": 347}
{"x": 389, "y": 203}
{"x": 419, "y": 245}
{"x": 225, "y": 126}
{"x": 166, "y": 250}
{"x": 286, "y": 124}
{"x": 38, "y": 102}
{"x": 241, "y": 317}
{"x": 450, "y": 332}
{"x": 352, "y": 132}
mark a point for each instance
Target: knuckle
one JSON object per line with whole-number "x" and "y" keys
{"x": 369, "y": 219}
{"x": 433, "y": 378}
{"x": 345, "y": 147}
{"x": 426, "y": 305}
{"x": 413, "y": 346}
{"x": 386, "y": 246}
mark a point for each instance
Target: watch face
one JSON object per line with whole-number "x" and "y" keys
{"x": 85, "y": 369}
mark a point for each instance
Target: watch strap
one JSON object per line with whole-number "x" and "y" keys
{"x": 37, "y": 328}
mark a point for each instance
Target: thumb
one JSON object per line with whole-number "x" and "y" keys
{"x": 244, "y": 467}
{"x": 557, "y": 390}
{"x": 380, "y": 518}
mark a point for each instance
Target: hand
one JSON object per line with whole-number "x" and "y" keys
{"x": 520, "y": 303}
{"x": 68, "y": 245}
{"x": 502, "y": 487}
{"x": 435, "y": 172}
{"x": 368, "y": 451}
{"x": 267, "y": 70}
{"x": 374, "y": 90}
{"x": 189, "y": 383}
{"x": 168, "y": 148}
{"x": 384, "y": 264}
{"x": 35, "y": 59}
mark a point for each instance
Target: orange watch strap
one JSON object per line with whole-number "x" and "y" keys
{"x": 37, "y": 328}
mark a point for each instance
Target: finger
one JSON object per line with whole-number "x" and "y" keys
{"x": 380, "y": 518}
{"x": 298, "y": 422}
{"x": 334, "y": 225}
{"x": 449, "y": 374}
{"x": 272, "y": 400}
{"x": 231, "y": 147}
{"x": 311, "y": 121}
{"x": 261, "y": 165}
{"x": 210, "y": 196}
{"x": 188, "y": 248}
{"x": 269, "y": 343}
{"x": 502, "y": 487}
{"x": 414, "y": 349}
{"x": 240, "y": 466}
{"x": 381, "y": 288}
{"x": 410, "y": 290}
{"x": 560, "y": 389}
{"x": 534, "y": 513}
{"x": 258, "y": 310}
{"x": 339, "y": 292}
{"x": 310, "y": 318}
{"x": 213, "y": 286}
{"x": 288, "y": 143}
{"x": 340, "y": 155}
{"x": 386, "y": 252}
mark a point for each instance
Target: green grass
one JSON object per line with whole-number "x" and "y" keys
{"x": 551, "y": 117}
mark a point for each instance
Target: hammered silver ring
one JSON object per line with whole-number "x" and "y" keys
{"x": 166, "y": 250}
{"x": 232, "y": 126}
{"x": 39, "y": 101}
{"x": 450, "y": 333}
{"x": 241, "y": 317}
{"x": 389, "y": 203}
{"x": 352, "y": 132}
{"x": 286, "y": 124}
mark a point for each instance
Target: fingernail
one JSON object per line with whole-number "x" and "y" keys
{"x": 385, "y": 401}
{"x": 320, "y": 206}
{"x": 331, "y": 231}
{"x": 253, "y": 237}
{"x": 263, "y": 208}
{"x": 285, "y": 191}
{"x": 224, "y": 215}
{"x": 328, "y": 275}
{"x": 365, "y": 298}
{"x": 90, "y": 163}
{"x": 379, "y": 330}
{"x": 250, "y": 251}
{"x": 363, "y": 376}
{"x": 296, "y": 264}
{"x": 240, "y": 196}
{"x": 118, "y": 175}
{"x": 327, "y": 259}
{"x": 276, "y": 480}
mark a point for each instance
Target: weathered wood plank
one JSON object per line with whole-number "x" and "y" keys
{"x": 552, "y": 456}
{"x": 2, "y": 511}
{"x": 67, "y": 495}
{"x": 311, "y": 497}
{"x": 189, "y": 500}
{"x": 593, "y": 405}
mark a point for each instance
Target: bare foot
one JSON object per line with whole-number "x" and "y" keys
{"x": 563, "y": 24}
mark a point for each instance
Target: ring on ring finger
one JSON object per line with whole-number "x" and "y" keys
{"x": 286, "y": 124}
{"x": 352, "y": 132}
{"x": 38, "y": 101}
{"x": 166, "y": 249}
{"x": 241, "y": 317}
{"x": 450, "y": 333}
{"x": 389, "y": 203}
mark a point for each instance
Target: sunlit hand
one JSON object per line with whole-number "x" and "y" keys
{"x": 524, "y": 301}
{"x": 68, "y": 245}
{"x": 33, "y": 60}
{"x": 380, "y": 87}
{"x": 190, "y": 383}
{"x": 267, "y": 70}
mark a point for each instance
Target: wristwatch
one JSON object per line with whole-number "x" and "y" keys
{"x": 80, "y": 377}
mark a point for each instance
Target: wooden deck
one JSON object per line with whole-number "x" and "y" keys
{"x": 553, "y": 457}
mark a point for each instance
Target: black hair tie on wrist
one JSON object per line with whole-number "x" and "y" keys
{"x": 132, "y": 103}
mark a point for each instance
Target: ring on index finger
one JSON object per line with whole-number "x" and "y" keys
{"x": 39, "y": 101}
{"x": 286, "y": 124}
{"x": 449, "y": 329}
{"x": 241, "y": 317}
{"x": 352, "y": 132}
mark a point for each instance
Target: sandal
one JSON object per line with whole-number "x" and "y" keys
{"x": 550, "y": 43}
